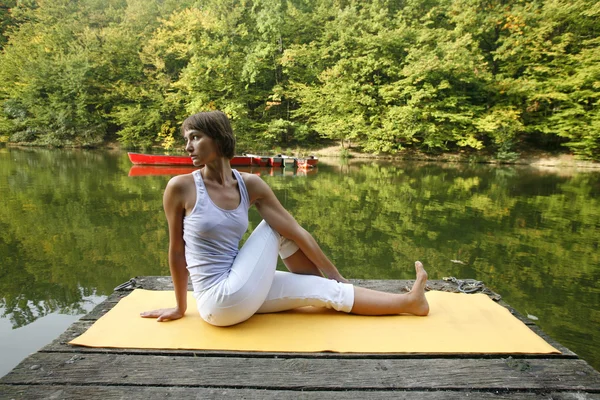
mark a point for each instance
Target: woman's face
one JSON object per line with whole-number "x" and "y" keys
{"x": 201, "y": 147}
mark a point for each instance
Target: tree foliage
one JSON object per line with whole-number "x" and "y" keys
{"x": 385, "y": 75}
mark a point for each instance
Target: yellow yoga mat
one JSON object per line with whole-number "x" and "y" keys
{"x": 457, "y": 323}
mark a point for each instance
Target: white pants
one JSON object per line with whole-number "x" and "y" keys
{"x": 253, "y": 285}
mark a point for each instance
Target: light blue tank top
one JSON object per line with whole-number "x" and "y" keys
{"x": 212, "y": 235}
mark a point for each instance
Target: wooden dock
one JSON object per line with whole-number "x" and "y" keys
{"x": 62, "y": 371}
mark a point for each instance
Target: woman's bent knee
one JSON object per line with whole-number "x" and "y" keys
{"x": 224, "y": 317}
{"x": 222, "y": 309}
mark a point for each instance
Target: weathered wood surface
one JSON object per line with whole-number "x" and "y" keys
{"x": 161, "y": 392}
{"x": 60, "y": 370}
{"x": 306, "y": 374}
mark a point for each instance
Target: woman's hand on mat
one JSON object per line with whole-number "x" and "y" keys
{"x": 164, "y": 314}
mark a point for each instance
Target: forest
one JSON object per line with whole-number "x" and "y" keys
{"x": 475, "y": 76}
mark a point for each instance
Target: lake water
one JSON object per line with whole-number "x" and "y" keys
{"x": 75, "y": 224}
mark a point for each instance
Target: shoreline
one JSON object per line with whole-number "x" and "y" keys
{"x": 533, "y": 158}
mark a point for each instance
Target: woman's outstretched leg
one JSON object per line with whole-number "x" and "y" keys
{"x": 372, "y": 302}
{"x": 290, "y": 290}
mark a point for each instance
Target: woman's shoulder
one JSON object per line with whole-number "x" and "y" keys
{"x": 180, "y": 182}
{"x": 251, "y": 180}
{"x": 255, "y": 186}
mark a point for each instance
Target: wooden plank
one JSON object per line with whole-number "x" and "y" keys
{"x": 59, "y": 369}
{"x": 100, "y": 310}
{"x": 516, "y": 313}
{"x": 565, "y": 352}
{"x": 307, "y": 374}
{"x": 91, "y": 392}
{"x": 155, "y": 283}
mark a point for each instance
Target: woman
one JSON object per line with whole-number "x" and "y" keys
{"x": 207, "y": 213}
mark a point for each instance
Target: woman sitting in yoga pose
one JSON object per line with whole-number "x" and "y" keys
{"x": 207, "y": 213}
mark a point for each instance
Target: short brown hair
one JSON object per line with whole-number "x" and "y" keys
{"x": 214, "y": 124}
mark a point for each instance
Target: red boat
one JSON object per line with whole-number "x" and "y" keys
{"x": 236, "y": 161}
{"x": 312, "y": 160}
{"x": 151, "y": 159}
{"x": 261, "y": 161}
{"x": 297, "y": 162}
{"x": 303, "y": 164}
{"x": 266, "y": 161}
{"x": 162, "y": 159}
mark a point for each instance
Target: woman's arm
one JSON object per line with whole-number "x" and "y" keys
{"x": 174, "y": 206}
{"x": 280, "y": 219}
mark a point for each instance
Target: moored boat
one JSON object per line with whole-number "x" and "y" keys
{"x": 268, "y": 161}
{"x": 277, "y": 161}
{"x": 289, "y": 161}
{"x": 304, "y": 164}
{"x": 241, "y": 161}
{"x": 312, "y": 160}
{"x": 159, "y": 159}
{"x": 237, "y": 161}
{"x": 294, "y": 162}
{"x": 261, "y": 161}
{"x": 164, "y": 159}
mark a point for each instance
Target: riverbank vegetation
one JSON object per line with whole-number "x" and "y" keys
{"x": 483, "y": 76}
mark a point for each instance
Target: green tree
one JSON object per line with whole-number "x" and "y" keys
{"x": 382, "y": 75}
{"x": 548, "y": 66}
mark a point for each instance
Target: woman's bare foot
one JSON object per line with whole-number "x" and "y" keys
{"x": 373, "y": 302}
{"x": 418, "y": 301}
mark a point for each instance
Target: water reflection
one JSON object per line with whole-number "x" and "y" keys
{"x": 168, "y": 170}
{"x": 71, "y": 225}
{"x": 75, "y": 224}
